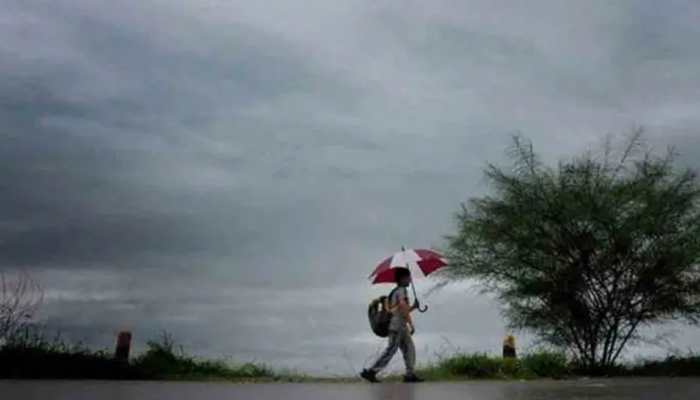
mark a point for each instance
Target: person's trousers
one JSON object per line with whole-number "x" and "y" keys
{"x": 398, "y": 340}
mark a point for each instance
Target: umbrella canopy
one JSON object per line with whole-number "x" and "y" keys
{"x": 428, "y": 261}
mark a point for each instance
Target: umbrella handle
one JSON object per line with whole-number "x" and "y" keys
{"x": 415, "y": 298}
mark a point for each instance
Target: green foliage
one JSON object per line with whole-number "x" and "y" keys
{"x": 546, "y": 363}
{"x": 585, "y": 253}
{"x": 670, "y": 366}
{"x": 483, "y": 366}
{"x": 512, "y": 367}
{"x": 549, "y": 364}
{"x": 32, "y": 355}
{"x": 163, "y": 361}
{"x": 29, "y": 354}
{"x": 473, "y": 365}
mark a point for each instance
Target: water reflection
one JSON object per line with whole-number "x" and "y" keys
{"x": 599, "y": 389}
{"x": 397, "y": 391}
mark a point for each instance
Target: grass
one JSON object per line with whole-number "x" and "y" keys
{"x": 688, "y": 365}
{"x": 32, "y": 356}
{"x": 543, "y": 364}
{"x": 163, "y": 360}
{"x": 549, "y": 364}
{"x": 553, "y": 365}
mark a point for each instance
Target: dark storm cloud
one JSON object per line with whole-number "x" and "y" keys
{"x": 98, "y": 149}
{"x": 229, "y": 171}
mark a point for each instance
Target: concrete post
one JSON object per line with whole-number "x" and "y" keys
{"x": 509, "y": 347}
{"x": 123, "y": 346}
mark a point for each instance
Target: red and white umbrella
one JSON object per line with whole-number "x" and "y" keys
{"x": 427, "y": 261}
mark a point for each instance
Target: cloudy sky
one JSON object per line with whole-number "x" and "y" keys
{"x": 230, "y": 171}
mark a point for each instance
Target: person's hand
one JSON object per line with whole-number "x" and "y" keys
{"x": 416, "y": 305}
{"x": 411, "y": 329}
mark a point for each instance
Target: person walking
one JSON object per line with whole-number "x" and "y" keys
{"x": 401, "y": 329}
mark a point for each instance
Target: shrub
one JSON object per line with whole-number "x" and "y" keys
{"x": 477, "y": 365}
{"x": 670, "y": 366}
{"x": 546, "y": 364}
{"x": 542, "y": 364}
{"x": 470, "y": 365}
{"x": 512, "y": 367}
{"x": 29, "y": 354}
{"x": 163, "y": 361}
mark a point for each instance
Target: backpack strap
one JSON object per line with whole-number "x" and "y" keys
{"x": 391, "y": 294}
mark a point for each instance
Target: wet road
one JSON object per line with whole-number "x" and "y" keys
{"x": 657, "y": 389}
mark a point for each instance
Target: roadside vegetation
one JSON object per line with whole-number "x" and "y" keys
{"x": 680, "y": 366}
{"x": 552, "y": 365}
{"x": 165, "y": 360}
{"x": 585, "y": 253}
{"x": 31, "y": 355}
{"x": 543, "y": 364}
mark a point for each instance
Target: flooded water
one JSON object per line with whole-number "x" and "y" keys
{"x": 641, "y": 389}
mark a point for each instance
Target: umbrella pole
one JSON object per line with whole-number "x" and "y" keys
{"x": 415, "y": 296}
{"x": 413, "y": 286}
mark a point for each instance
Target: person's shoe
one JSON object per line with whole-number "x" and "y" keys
{"x": 412, "y": 378}
{"x": 369, "y": 376}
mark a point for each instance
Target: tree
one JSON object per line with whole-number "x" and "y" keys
{"x": 586, "y": 253}
{"x": 20, "y": 299}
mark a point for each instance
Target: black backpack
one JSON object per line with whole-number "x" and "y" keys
{"x": 379, "y": 317}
